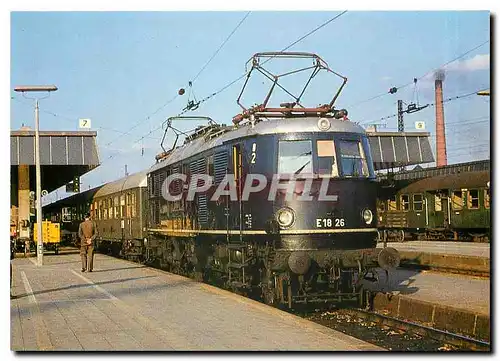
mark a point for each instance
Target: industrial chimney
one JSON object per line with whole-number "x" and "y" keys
{"x": 440, "y": 130}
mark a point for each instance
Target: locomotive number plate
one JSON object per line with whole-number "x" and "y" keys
{"x": 329, "y": 222}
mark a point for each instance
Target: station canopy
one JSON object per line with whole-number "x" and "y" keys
{"x": 399, "y": 149}
{"x": 63, "y": 156}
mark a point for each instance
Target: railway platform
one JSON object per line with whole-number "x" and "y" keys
{"x": 448, "y": 248}
{"x": 450, "y": 302}
{"x": 127, "y": 306}
{"x": 458, "y": 257}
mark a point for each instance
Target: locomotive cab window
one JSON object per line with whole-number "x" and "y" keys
{"x": 352, "y": 159}
{"x": 487, "y": 198}
{"x": 405, "y": 202}
{"x": 418, "y": 202}
{"x": 473, "y": 199}
{"x": 327, "y": 163}
{"x": 295, "y": 157}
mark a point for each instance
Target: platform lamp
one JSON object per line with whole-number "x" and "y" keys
{"x": 30, "y": 89}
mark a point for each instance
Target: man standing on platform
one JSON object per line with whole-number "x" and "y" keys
{"x": 87, "y": 233}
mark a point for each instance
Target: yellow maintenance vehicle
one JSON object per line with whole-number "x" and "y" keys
{"x": 51, "y": 235}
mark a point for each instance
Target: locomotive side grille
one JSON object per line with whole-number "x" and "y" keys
{"x": 158, "y": 179}
{"x": 176, "y": 184}
{"x": 155, "y": 212}
{"x": 200, "y": 167}
{"x": 197, "y": 167}
{"x": 150, "y": 186}
{"x": 202, "y": 209}
{"x": 220, "y": 166}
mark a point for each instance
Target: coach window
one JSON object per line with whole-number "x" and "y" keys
{"x": 327, "y": 164}
{"x": 110, "y": 208}
{"x": 473, "y": 199}
{"x": 487, "y": 198}
{"x": 437, "y": 203}
{"x": 116, "y": 206}
{"x": 132, "y": 204}
{"x": 418, "y": 203}
{"x": 405, "y": 202}
{"x": 392, "y": 204}
{"x": 105, "y": 208}
{"x": 128, "y": 205}
{"x": 457, "y": 200}
{"x": 295, "y": 157}
{"x": 122, "y": 206}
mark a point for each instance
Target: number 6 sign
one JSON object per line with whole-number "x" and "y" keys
{"x": 84, "y": 123}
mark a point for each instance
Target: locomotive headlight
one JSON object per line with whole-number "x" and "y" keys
{"x": 285, "y": 217}
{"x": 368, "y": 216}
{"x": 324, "y": 124}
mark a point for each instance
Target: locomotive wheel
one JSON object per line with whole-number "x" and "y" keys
{"x": 401, "y": 236}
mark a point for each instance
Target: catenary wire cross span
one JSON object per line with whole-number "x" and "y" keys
{"x": 430, "y": 105}
{"x": 284, "y": 49}
{"x": 73, "y": 119}
{"x": 143, "y": 120}
{"x": 421, "y": 77}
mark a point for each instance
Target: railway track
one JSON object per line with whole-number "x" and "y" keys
{"x": 393, "y": 333}
{"x": 454, "y": 339}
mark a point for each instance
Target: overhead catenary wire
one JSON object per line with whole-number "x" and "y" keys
{"x": 284, "y": 49}
{"x": 419, "y": 78}
{"x": 220, "y": 47}
{"x": 73, "y": 119}
{"x": 430, "y": 105}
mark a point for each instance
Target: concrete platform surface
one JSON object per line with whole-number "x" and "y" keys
{"x": 126, "y": 306}
{"x": 450, "y": 302}
{"x": 458, "y": 248}
{"x": 458, "y": 291}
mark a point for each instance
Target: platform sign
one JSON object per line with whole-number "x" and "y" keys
{"x": 420, "y": 125}
{"x": 85, "y": 123}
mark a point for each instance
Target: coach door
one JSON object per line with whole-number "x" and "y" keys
{"x": 441, "y": 210}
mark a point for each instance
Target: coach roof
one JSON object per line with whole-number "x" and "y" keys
{"x": 454, "y": 182}
{"x": 132, "y": 181}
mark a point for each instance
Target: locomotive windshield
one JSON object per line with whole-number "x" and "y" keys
{"x": 352, "y": 159}
{"x": 331, "y": 158}
{"x": 295, "y": 157}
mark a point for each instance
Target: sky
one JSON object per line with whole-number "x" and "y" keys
{"x": 123, "y": 71}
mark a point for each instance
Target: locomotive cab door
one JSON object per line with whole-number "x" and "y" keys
{"x": 236, "y": 209}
